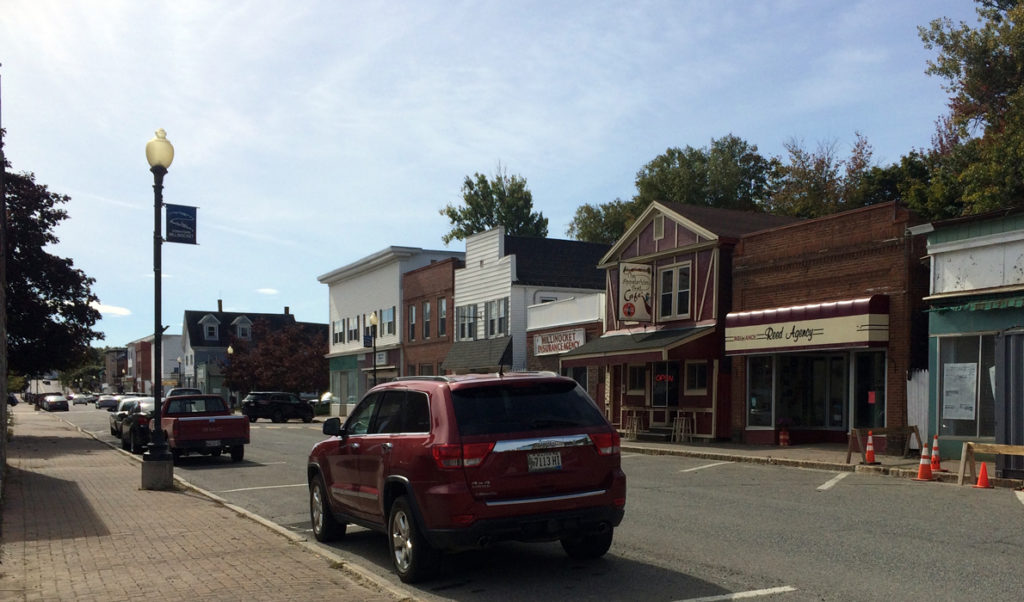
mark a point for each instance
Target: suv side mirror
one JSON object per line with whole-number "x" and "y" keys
{"x": 332, "y": 427}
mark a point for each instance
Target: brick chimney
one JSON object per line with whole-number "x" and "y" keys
{"x": 286, "y": 310}
{"x": 220, "y": 305}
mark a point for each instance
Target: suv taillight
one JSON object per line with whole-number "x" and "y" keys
{"x": 461, "y": 456}
{"x": 143, "y": 421}
{"x": 607, "y": 444}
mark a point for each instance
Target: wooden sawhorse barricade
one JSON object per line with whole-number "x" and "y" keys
{"x": 969, "y": 449}
{"x": 855, "y": 436}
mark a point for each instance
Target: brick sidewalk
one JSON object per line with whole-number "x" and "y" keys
{"x": 76, "y": 525}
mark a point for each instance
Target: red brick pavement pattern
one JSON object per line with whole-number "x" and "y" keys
{"x": 76, "y": 525}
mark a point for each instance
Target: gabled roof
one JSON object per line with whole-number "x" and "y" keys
{"x": 197, "y": 338}
{"x": 710, "y": 222}
{"x": 729, "y": 223}
{"x": 554, "y": 262}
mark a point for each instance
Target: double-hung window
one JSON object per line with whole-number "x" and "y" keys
{"x": 426, "y": 319}
{"x": 674, "y": 292}
{"x": 412, "y": 322}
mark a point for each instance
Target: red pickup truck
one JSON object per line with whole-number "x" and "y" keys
{"x": 203, "y": 424}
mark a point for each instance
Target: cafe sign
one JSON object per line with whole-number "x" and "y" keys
{"x": 551, "y": 343}
{"x": 635, "y": 291}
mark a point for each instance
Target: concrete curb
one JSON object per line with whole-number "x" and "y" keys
{"x": 336, "y": 561}
{"x": 903, "y": 473}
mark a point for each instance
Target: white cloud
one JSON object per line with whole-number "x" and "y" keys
{"x": 110, "y": 310}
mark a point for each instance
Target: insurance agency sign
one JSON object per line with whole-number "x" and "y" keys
{"x": 551, "y": 343}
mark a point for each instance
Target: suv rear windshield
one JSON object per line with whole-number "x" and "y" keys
{"x": 508, "y": 408}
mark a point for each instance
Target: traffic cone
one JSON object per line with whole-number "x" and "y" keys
{"x": 924, "y": 471}
{"x": 983, "y": 479}
{"x": 869, "y": 453}
{"x": 936, "y": 459}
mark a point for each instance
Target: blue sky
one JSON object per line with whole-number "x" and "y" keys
{"x": 313, "y": 133}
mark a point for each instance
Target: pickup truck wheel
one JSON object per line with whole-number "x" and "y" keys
{"x": 124, "y": 442}
{"x": 252, "y": 419}
{"x": 237, "y": 453}
{"x": 412, "y": 556}
{"x": 587, "y": 546}
{"x": 325, "y": 526}
{"x": 277, "y": 417}
{"x": 133, "y": 442}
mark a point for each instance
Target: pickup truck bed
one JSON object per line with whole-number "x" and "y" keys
{"x": 203, "y": 424}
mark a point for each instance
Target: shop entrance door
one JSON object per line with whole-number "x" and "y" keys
{"x": 869, "y": 389}
{"x": 665, "y": 392}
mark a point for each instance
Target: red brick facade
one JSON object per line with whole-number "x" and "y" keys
{"x": 851, "y": 255}
{"x": 434, "y": 286}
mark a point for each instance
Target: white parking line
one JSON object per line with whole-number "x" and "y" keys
{"x": 1020, "y": 496}
{"x": 705, "y": 466}
{"x": 755, "y": 593}
{"x": 831, "y": 482}
{"x": 267, "y": 487}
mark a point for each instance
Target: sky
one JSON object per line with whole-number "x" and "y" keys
{"x": 313, "y": 133}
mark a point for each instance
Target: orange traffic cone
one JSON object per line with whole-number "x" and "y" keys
{"x": 869, "y": 453}
{"x": 924, "y": 471}
{"x": 936, "y": 459}
{"x": 983, "y": 479}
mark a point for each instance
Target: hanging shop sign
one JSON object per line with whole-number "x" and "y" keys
{"x": 635, "y": 291}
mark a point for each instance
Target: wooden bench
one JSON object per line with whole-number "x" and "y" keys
{"x": 970, "y": 448}
{"x": 855, "y": 436}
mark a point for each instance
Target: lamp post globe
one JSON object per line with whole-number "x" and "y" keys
{"x": 159, "y": 155}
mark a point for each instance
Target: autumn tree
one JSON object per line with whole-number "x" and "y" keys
{"x": 503, "y": 200}
{"x": 821, "y": 182}
{"x": 50, "y": 303}
{"x": 289, "y": 358}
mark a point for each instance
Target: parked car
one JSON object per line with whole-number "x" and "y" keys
{"x": 181, "y": 391}
{"x": 106, "y": 402}
{"x": 54, "y": 403}
{"x": 135, "y": 425}
{"x": 82, "y": 399}
{"x": 277, "y": 406}
{"x": 118, "y": 414}
{"x": 453, "y": 463}
{"x": 202, "y": 424}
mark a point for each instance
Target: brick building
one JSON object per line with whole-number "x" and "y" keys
{"x": 428, "y": 302}
{"x": 827, "y": 324}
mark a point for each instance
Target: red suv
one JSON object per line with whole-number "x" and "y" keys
{"x": 451, "y": 463}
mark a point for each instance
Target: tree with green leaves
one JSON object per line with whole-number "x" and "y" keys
{"x": 50, "y": 313}
{"x": 729, "y": 173}
{"x": 984, "y": 71}
{"x": 503, "y": 200}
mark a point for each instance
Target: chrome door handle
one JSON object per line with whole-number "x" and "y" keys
{"x": 387, "y": 446}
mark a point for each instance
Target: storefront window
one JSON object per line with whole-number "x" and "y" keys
{"x": 759, "y": 387}
{"x": 966, "y": 386}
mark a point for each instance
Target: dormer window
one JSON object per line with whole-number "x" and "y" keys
{"x": 242, "y": 327}
{"x": 211, "y": 328}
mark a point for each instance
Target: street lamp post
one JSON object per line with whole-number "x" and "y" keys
{"x": 231, "y": 352}
{"x": 159, "y": 154}
{"x": 373, "y": 340}
{"x": 179, "y": 370}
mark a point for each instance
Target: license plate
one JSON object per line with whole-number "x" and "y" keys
{"x": 544, "y": 461}
{"x": 213, "y": 443}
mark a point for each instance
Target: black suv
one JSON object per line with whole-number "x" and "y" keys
{"x": 458, "y": 462}
{"x": 277, "y": 406}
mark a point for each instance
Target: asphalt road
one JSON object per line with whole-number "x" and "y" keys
{"x": 694, "y": 529}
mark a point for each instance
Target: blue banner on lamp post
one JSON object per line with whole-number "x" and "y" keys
{"x": 181, "y": 224}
